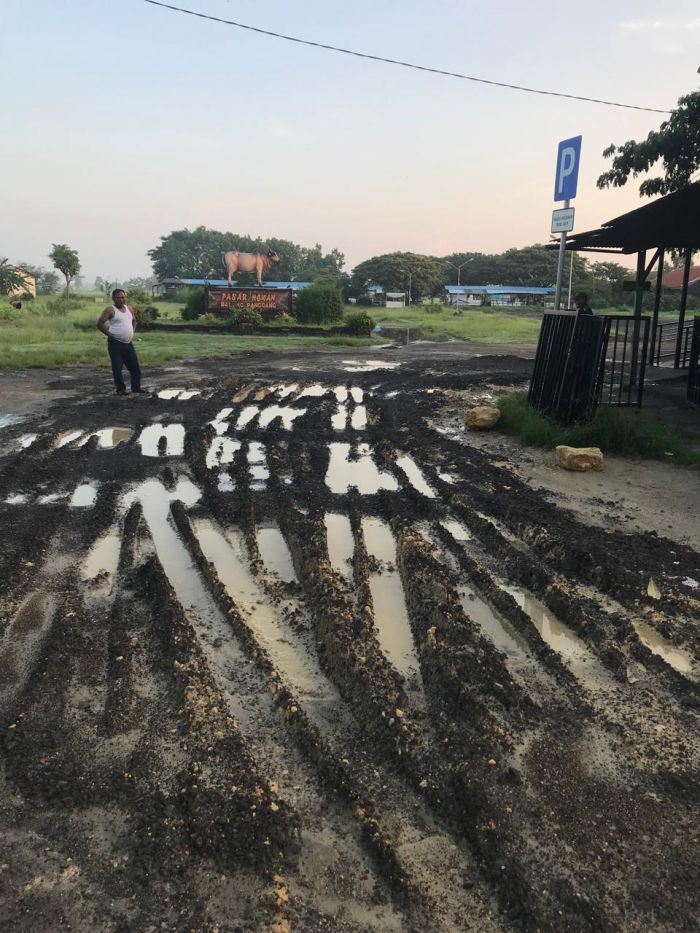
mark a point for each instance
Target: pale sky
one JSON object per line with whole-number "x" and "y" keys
{"x": 122, "y": 121}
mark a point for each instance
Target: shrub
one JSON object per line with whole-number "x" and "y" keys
{"x": 145, "y": 316}
{"x": 319, "y": 304}
{"x": 247, "y": 317}
{"x": 138, "y": 297}
{"x": 8, "y": 313}
{"x": 65, "y": 303}
{"x": 195, "y": 305}
{"x": 180, "y": 296}
{"x": 359, "y": 324}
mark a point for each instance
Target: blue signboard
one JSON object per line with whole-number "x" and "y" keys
{"x": 566, "y": 177}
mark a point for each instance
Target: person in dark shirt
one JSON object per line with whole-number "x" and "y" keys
{"x": 581, "y": 303}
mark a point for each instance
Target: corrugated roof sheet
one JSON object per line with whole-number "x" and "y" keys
{"x": 674, "y": 278}
{"x": 671, "y": 222}
{"x": 499, "y": 290}
{"x": 220, "y": 283}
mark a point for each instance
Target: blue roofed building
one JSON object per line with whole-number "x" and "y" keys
{"x": 168, "y": 286}
{"x": 509, "y": 296}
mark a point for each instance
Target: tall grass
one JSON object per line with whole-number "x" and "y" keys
{"x": 628, "y": 432}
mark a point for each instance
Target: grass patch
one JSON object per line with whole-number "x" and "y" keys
{"x": 629, "y": 432}
{"x": 478, "y": 325}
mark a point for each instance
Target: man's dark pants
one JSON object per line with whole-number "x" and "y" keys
{"x": 124, "y": 354}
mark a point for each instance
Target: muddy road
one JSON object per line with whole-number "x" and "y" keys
{"x": 283, "y": 650}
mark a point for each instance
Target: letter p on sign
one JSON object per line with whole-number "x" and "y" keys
{"x": 566, "y": 177}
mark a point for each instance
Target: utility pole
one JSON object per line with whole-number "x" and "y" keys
{"x": 458, "y": 268}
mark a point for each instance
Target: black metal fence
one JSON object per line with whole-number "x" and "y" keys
{"x": 694, "y": 369}
{"x": 665, "y": 342}
{"x": 625, "y": 360}
{"x": 583, "y": 359}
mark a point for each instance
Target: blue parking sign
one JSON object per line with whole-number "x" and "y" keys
{"x": 566, "y": 177}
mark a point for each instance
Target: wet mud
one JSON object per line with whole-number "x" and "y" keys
{"x": 280, "y": 652}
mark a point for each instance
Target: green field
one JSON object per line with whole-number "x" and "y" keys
{"x": 34, "y": 336}
{"x": 37, "y": 336}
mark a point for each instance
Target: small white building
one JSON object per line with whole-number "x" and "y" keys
{"x": 395, "y": 300}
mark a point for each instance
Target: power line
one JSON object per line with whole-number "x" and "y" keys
{"x": 393, "y": 61}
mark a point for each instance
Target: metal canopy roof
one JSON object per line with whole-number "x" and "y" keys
{"x": 671, "y": 222}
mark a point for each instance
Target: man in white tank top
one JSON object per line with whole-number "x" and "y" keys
{"x": 118, "y": 324}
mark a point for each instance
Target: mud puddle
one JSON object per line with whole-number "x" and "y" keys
{"x": 109, "y": 437}
{"x": 162, "y": 440}
{"x": 314, "y": 391}
{"x": 561, "y": 639}
{"x": 181, "y": 394}
{"x": 66, "y": 438}
{"x": 360, "y": 471}
{"x": 257, "y": 465}
{"x": 367, "y": 366}
{"x": 341, "y": 543}
{"x": 503, "y": 635}
{"x": 84, "y": 496}
{"x": 100, "y": 564}
{"x": 458, "y": 531}
{"x": 390, "y": 613}
{"x": 287, "y": 652}
{"x": 222, "y": 450}
{"x": 676, "y": 658}
{"x": 287, "y": 416}
{"x": 408, "y": 466}
{"x": 8, "y": 421}
{"x": 275, "y": 554}
{"x": 207, "y": 618}
{"x": 22, "y": 641}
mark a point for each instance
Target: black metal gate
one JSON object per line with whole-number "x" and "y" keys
{"x": 583, "y": 359}
{"x": 694, "y": 370}
{"x": 625, "y": 360}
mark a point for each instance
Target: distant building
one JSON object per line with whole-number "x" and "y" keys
{"x": 674, "y": 279}
{"x": 29, "y": 284}
{"x": 508, "y": 296}
{"x": 168, "y": 286}
{"x": 381, "y": 298}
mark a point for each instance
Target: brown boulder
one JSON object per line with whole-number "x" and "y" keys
{"x": 481, "y": 416}
{"x": 581, "y": 459}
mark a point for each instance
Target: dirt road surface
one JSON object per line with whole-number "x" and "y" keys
{"x": 283, "y": 648}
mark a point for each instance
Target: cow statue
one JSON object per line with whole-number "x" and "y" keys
{"x": 235, "y": 262}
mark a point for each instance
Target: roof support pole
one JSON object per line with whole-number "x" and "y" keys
{"x": 638, "y": 295}
{"x": 684, "y": 302}
{"x": 657, "y": 305}
{"x": 641, "y": 276}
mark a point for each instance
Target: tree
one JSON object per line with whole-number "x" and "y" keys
{"x": 10, "y": 279}
{"x": 48, "y": 282}
{"x": 676, "y": 143}
{"x": 196, "y": 254}
{"x": 66, "y": 261}
{"x": 398, "y": 272}
{"x": 139, "y": 281}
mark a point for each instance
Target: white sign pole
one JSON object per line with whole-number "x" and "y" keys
{"x": 560, "y": 266}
